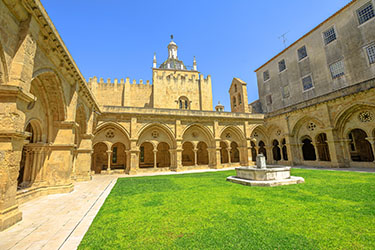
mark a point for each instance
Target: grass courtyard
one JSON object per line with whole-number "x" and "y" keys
{"x": 332, "y": 210}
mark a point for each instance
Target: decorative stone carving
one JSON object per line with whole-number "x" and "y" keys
{"x": 278, "y": 132}
{"x": 228, "y": 135}
{"x": 366, "y": 116}
{"x": 255, "y": 134}
{"x": 311, "y": 126}
{"x": 110, "y": 134}
{"x": 155, "y": 134}
{"x": 195, "y": 134}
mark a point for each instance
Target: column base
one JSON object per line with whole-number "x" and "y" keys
{"x": 133, "y": 172}
{"x": 9, "y": 217}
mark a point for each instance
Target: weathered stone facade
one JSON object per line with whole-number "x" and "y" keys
{"x": 318, "y": 94}
{"x": 56, "y": 128}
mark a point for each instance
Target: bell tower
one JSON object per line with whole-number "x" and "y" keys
{"x": 238, "y": 96}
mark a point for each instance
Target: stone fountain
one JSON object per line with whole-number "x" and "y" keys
{"x": 261, "y": 175}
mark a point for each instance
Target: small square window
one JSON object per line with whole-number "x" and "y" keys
{"x": 329, "y": 36}
{"x": 302, "y": 53}
{"x": 282, "y": 65}
{"x": 307, "y": 83}
{"x": 285, "y": 90}
{"x": 269, "y": 99}
{"x": 371, "y": 53}
{"x": 365, "y": 13}
{"x": 266, "y": 75}
{"x": 337, "y": 69}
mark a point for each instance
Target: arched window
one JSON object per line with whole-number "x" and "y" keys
{"x": 234, "y": 102}
{"x": 234, "y": 152}
{"x": 360, "y": 148}
{"x": 239, "y": 99}
{"x": 308, "y": 150}
{"x": 284, "y": 150}
{"x": 235, "y": 88}
{"x": 262, "y": 149}
{"x": 183, "y": 102}
{"x": 276, "y": 150}
{"x": 253, "y": 151}
{"x": 224, "y": 152}
{"x": 322, "y": 147}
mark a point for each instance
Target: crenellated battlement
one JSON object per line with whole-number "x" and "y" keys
{"x": 101, "y": 83}
{"x": 180, "y": 77}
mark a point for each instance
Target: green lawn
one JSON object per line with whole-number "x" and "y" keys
{"x": 332, "y": 210}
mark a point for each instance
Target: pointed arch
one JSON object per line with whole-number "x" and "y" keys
{"x": 110, "y": 133}
{"x": 3, "y": 67}
{"x": 50, "y": 83}
{"x": 297, "y": 126}
{"x": 346, "y": 113}
{"x": 166, "y": 134}
{"x": 197, "y": 132}
{"x": 232, "y": 130}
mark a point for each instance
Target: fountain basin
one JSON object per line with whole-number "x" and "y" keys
{"x": 270, "y": 176}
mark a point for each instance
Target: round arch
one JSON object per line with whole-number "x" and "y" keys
{"x": 228, "y": 132}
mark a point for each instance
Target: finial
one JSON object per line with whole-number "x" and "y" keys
{"x": 171, "y": 37}
{"x": 219, "y": 103}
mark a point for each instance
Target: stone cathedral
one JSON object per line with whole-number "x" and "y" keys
{"x": 316, "y": 107}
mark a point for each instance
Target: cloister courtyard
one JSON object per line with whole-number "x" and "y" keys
{"x": 200, "y": 210}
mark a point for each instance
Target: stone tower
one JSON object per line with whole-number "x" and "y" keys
{"x": 238, "y": 96}
{"x": 177, "y": 87}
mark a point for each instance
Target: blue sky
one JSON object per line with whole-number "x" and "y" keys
{"x": 117, "y": 39}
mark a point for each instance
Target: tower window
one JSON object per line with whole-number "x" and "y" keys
{"x": 269, "y": 99}
{"x": 337, "y": 69}
{"x": 371, "y": 53}
{"x": 307, "y": 83}
{"x": 183, "y": 102}
{"x": 302, "y": 53}
{"x": 282, "y": 65}
{"x": 234, "y": 102}
{"x": 329, "y": 36}
{"x": 365, "y": 13}
{"x": 239, "y": 99}
{"x": 266, "y": 75}
{"x": 235, "y": 88}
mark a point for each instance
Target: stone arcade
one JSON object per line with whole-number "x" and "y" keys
{"x": 315, "y": 107}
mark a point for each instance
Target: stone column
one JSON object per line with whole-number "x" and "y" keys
{"x": 195, "y": 157}
{"x": 109, "y": 152}
{"x": 371, "y": 140}
{"x": 335, "y": 151}
{"x": 155, "y": 158}
{"x": 83, "y": 159}
{"x": 229, "y": 155}
{"x": 134, "y": 161}
{"x": 127, "y": 161}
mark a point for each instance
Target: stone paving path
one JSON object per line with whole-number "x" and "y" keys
{"x": 60, "y": 221}
{"x": 364, "y": 170}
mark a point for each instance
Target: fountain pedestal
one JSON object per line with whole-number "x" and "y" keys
{"x": 264, "y": 176}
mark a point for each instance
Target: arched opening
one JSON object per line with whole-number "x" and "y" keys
{"x": 253, "y": 151}
{"x": 284, "y": 150}
{"x": 234, "y": 102}
{"x": 99, "y": 158}
{"x": 202, "y": 153}
{"x": 118, "y": 156}
{"x": 146, "y": 155}
{"x": 24, "y": 175}
{"x": 239, "y": 99}
{"x": 183, "y": 102}
{"x": 163, "y": 155}
{"x": 188, "y": 156}
{"x": 234, "y": 152}
{"x": 276, "y": 152}
{"x": 360, "y": 148}
{"x": 224, "y": 152}
{"x": 262, "y": 149}
{"x": 235, "y": 87}
{"x": 308, "y": 150}
{"x": 322, "y": 147}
